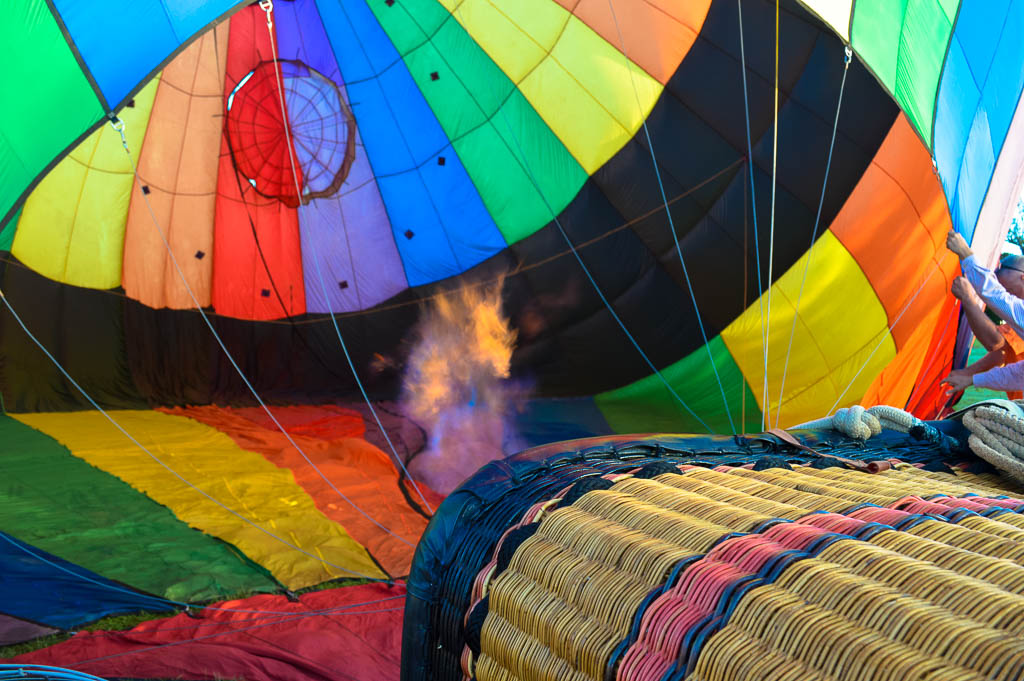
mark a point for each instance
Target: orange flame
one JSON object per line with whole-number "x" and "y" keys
{"x": 456, "y": 383}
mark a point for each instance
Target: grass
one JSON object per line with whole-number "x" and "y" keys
{"x": 974, "y": 395}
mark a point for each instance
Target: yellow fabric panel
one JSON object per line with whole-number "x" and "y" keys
{"x": 72, "y": 226}
{"x": 518, "y": 34}
{"x": 840, "y": 323}
{"x": 835, "y": 13}
{"x": 241, "y": 480}
{"x": 580, "y": 84}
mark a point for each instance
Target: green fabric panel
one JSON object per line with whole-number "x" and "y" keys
{"x": 488, "y": 120}
{"x": 514, "y": 161}
{"x": 904, "y": 43}
{"x": 647, "y": 406}
{"x": 7, "y": 233}
{"x": 50, "y": 101}
{"x": 58, "y": 502}
{"x": 470, "y": 87}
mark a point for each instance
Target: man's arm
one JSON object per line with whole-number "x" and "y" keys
{"x": 981, "y": 326}
{"x": 989, "y": 361}
{"x": 1006, "y": 305}
{"x": 1009, "y": 377}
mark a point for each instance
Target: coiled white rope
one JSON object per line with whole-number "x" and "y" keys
{"x": 997, "y": 436}
{"x": 861, "y": 424}
{"x": 996, "y": 427}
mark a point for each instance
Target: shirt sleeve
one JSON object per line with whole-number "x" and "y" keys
{"x": 1005, "y": 304}
{"x": 1009, "y": 377}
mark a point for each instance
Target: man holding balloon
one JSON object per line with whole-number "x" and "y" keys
{"x": 1003, "y": 291}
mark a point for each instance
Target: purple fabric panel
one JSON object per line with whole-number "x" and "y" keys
{"x": 319, "y": 128}
{"x": 349, "y": 233}
{"x": 14, "y": 630}
{"x": 301, "y": 36}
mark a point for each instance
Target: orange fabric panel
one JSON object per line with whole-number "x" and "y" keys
{"x": 1013, "y": 351}
{"x": 657, "y": 33}
{"x": 324, "y": 422}
{"x": 178, "y": 164}
{"x": 894, "y": 224}
{"x": 361, "y": 471}
{"x": 928, "y": 400}
{"x": 258, "y": 273}
{"x": 895, "y": 384}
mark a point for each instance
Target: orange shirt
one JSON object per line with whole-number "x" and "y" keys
{"x": 1013, "y": 351}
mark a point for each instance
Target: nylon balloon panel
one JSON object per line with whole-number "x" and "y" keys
{"x": 429, "y": 142}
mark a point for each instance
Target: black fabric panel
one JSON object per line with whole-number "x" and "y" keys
{"x": 80, "y": 327}
{"x": 693, "y": 120}
{"x": 176, "y": 360}
{"x": 698, "y": 131}
{"x": 591, "y": 352}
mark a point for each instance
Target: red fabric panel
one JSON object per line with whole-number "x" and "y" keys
{"x": 929, "y": 401}
{"x": 253, "y": 280}
{"x": 361, "y": 471}
{"x": 361, "y": 643}
{"x": 332, "y": 422}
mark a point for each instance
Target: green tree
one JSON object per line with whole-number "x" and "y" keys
{"x": 1016, "y": 233}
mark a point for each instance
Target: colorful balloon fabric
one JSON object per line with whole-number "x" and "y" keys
{"x": 340, "y": 162}
{"x": 349, "y": 633}
{"x": 427, "y": 140}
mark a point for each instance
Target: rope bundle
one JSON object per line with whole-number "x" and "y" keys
{"x": 996, "y": 427}
{"x": 998, "y": 437}
{"x": 861, "y": 424}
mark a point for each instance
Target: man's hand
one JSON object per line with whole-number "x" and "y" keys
{"x": 962, "y": 290}
{"x": 956, "y": 243}
{"x": 957, "y": 381}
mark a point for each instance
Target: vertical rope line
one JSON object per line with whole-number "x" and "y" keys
{"x": 753, "y": 208}
{"x": 268, "y": 7}
{"x": 771, "y": 229}
{"x": 848, "y": 54}
{"x": 671, "y": 222}
{"x": 746, "y": 273}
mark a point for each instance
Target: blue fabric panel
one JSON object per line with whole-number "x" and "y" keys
{"x": 40, "y": 587}
{"x": 957, "y": 101}
{"x": 981, "y": 85}
{"x": 1006, "y": 75}
{"x": 439, "y": 205}
{"x": 191, "y": 16}
{"x": 542, "y": 422}
{"x": 121, "y": 41}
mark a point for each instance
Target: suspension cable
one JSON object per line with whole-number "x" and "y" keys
{"x": 847, "y": 56}
{"x": 753, "y": 208}
{"x": 268, "y": 7}
{"x": 771, "y": 228}
{"x": 668, "y": 214}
